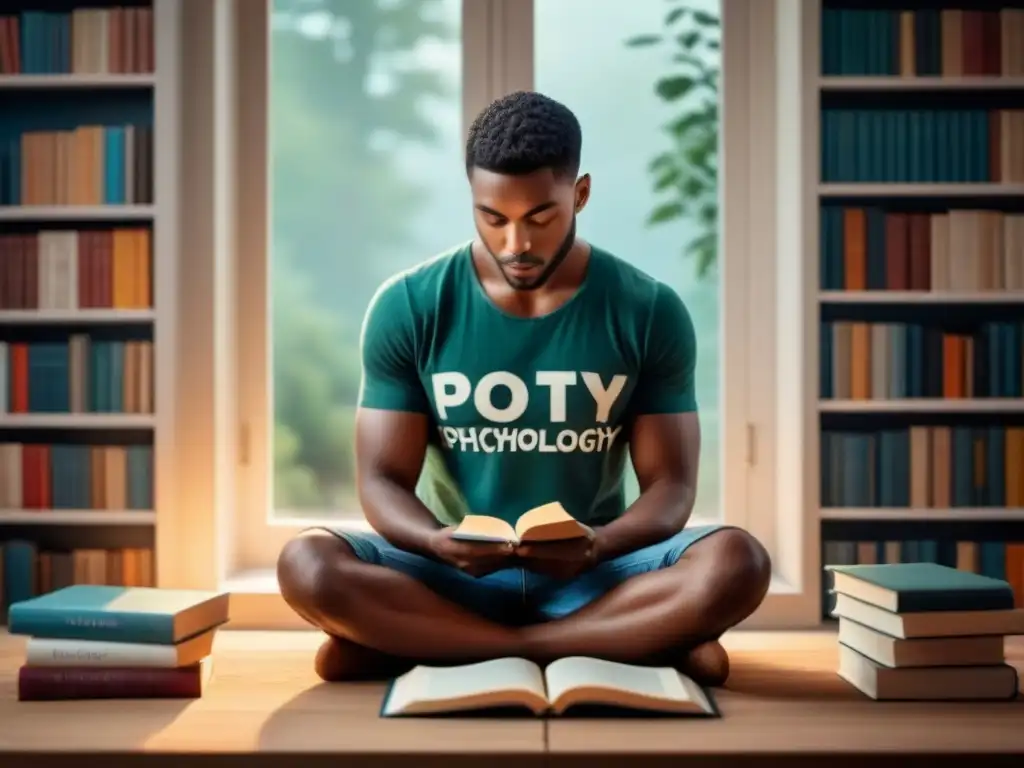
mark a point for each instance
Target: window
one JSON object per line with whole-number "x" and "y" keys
{"x": 367, "y": 105}
{"x": 650, "y": 144}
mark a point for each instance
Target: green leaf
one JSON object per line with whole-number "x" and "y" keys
{"x": 673, "y": 88}
{"x": 665, "y": 212}
{"x": 689, "y": 40}
{"x": 686, "y": 123}
{"x": 675, "y": 15}
{"x": 640, "y": 41}
{"x": 705, "y": 19}
{"x": 665, "y": 159}
{"x": 667, "y": 178}
{"x": 694, "y": 187}
{"x": 689, "y": 58}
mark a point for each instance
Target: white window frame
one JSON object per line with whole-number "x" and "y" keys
{"x": 768, "y": 278}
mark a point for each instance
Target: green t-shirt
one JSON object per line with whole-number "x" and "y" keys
{"x": 525, "y": 411}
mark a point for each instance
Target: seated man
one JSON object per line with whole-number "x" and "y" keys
{"x": 512, "y": 371}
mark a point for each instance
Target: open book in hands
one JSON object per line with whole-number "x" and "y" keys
{"x": 570, "y": 682}
{"x": 549, "y": 522}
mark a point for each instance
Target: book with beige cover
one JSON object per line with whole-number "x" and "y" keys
{"x": 549, "y": 522}
{"x": 573, "y": 685}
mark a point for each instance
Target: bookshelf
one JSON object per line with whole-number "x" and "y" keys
{"x": 85, "y": 247}
{"x": 920, "y": 298}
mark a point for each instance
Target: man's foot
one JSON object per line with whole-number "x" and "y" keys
{"x": 339, "y": 659}
{"x": 707, "y": 664}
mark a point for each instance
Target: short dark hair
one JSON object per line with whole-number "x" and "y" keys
{"x": 525, "y": 132}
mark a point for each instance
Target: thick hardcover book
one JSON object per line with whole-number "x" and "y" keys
{"x": 921, "y": 587}
{"x": 119, "y": 614}
{"x": 66, "y": 683}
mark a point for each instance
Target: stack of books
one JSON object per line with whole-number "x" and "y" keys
{"x": 106, "y": 642}
{"x": 925, "y": 632}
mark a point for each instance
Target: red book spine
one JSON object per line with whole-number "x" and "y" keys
{"x": 65, "y": 683}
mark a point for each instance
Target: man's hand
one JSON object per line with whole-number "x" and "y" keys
{"x": 560, "y": 559}
{"x": 477, "y": 558}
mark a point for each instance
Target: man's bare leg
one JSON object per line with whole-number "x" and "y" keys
{"x": 719, "y": 581}
{"x": 386, "y": 615}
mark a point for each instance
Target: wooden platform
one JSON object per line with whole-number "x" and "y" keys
{"x": 783, "y": 705}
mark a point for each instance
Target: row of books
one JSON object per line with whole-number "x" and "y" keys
{"x": 925, "y": 42}
{"x": 995, "y": 559}
{"x": 89, "y": 165}
{"x": 922, "y": 146}
{"x": 101, "y": 641}
{"x": 873, "y": 249}
{"x": 940, "y": 467}
{"x": 925, "y": 631}
{"x": 75, "y": 476}
{"x": 28, "y": 570}
{"x": 80, "y": 375}
{"x": 116, "y": 40}
{"x": 77, "y": 269}
{"x": 889, "y": 361}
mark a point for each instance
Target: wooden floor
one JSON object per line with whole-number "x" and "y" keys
{"x": 784, "y": 704}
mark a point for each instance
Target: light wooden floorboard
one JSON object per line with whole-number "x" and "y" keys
{"x": 263, "y": 696}
{"x": 783, "y": 698}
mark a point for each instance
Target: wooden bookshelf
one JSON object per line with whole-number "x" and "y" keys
{"x": 931, "y": 473}
{"x": 101, "y": 277}
{"x": 80, "y": 81}
{"x": 98, "y": 213}
{"x": 924, "y": 405}
{"x": 993, "y": 514}
{"x": 922, "y": 83}
{"x": 76, "y": 517}
{"x": 921, "y": 297}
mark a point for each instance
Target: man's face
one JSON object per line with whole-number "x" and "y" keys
{"x": 527, "y": 223}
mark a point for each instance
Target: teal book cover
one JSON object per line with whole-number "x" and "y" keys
{"x": 118, "y": 614}
{"x": 928, "y": 587}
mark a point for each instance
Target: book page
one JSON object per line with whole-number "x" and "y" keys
{"x": 484, "y": 528}
{"x": 579, "y": 673}
{"x": 468, "y": 684}
{"x": 549, "y": 522}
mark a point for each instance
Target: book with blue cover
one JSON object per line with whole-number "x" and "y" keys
{"x": 119, "y": 614}
{"x": 921, "y": 587}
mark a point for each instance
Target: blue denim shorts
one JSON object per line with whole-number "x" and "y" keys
{"x": 515, "y": 595}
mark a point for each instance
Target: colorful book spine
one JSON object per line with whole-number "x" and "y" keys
{"x": 871, "y": 248}
{"x": 28, "y": 570}
{"x": 86, "y": 624}
{"x": 922, "y": 42}
{"x": 113, "y": 40}
{"x": 895, "y": 145}
{"x": 76, "y": 476}
{"x": 66, "y": 269}
{"x": 66, "y": 683}
{"x": 923, "y": 467}
{"x": 863, "y": 360}
{"x": 88, "y": 165}
{"x": 80, "y": 375}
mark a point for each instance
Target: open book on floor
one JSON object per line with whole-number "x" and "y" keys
{"x": 573, "y": 685}
{"x": 549, "y": 522}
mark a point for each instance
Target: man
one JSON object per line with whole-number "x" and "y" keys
{"x": 512, "y": 371}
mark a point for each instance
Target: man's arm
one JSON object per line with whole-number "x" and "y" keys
{"x": 665, "y": 434}
{"x": 390, "y": 446}
{"x": 392, "y": 422}
{"x": 665, "y": 449}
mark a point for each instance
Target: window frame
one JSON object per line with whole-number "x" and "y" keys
{"x": 768, "y": 368}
